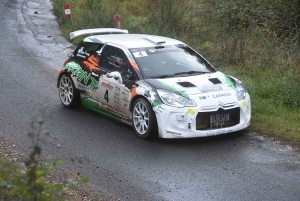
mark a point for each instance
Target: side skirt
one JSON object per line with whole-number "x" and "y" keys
{"x": 105, "y": 110}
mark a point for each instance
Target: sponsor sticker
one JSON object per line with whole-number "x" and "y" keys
{"x": 79, "y": 55}
{"x": 174, "y": 133}
{"x": 203, "y": 97}
{"x": 218, "y": 132}
{"x": 157, "y": 106}
{"x": 110, "y": 108}
{"x": 126, "y": 101}
{"x": 81, "y": 75}
{"x": 181, "y": 117}
{"x": 125, "y": 93}
{"x": 82, "y": 53}
{"x": 191, "y": 111}
{"x": 210, "y": 88}
{"x": 117, "y": 89}
{"x": 140, "y": 54}
{"x": 83, "y": 87}
{"x": 221, "y": 95}
{"x": 107, "y": 85}
{"x": 244, "y": 104}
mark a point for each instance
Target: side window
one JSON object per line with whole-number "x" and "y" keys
{"x": 85, "y": 49}
{"x": 114, "y": 59}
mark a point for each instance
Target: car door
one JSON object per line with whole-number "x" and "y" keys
{"x": 115, "y": 86}
{"x": 85, "y": 66}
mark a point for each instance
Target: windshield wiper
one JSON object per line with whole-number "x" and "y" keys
{"x": 163, "y": 76}
{"x": 190, "y": 72}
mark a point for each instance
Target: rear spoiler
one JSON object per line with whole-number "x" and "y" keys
{"x": 97, "y": 31}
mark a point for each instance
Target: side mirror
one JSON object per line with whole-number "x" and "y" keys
{"x": 116, "y": 75}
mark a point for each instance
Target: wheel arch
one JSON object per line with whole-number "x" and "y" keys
{"x": 75, "y": 100}
{"x": 135, "y": 98}
{"x": 63, "y": 72}
{"x": 153, "y": 124}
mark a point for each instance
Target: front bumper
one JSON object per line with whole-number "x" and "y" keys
{"x": 182, "y": 122}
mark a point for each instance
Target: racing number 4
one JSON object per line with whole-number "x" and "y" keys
{"x": 106, "y": 96}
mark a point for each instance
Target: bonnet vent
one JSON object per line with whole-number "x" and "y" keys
{"x": 186, "y": 84}
{"x": 215, "y": 80}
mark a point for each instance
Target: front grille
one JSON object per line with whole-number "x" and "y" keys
{"x": 224, "y": 106}
{"x": 218, "y": 119}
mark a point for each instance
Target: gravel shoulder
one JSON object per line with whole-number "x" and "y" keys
{"x": 16, "y": 153}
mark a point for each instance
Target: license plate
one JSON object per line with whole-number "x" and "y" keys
{"x": 219, "y": 120}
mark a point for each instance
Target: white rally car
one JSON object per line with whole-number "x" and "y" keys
{"x": 160, "y": 86}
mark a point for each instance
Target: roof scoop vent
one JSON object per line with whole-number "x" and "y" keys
{"x": 186, "y": 84}
{"x": 155, "y": 40}
{"x": 215, "y": 80}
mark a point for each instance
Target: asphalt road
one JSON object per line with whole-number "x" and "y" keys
{"x": 241, "y": 166}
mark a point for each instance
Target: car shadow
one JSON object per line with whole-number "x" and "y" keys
{"x": 206, "y": 140}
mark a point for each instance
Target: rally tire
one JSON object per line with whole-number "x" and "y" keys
{"x": 68, "y": 94}
{"x": 144, "y": 120}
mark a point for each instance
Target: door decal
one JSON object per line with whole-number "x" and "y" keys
{"x": 82, "y": 76}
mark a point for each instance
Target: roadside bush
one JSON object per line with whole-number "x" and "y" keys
{"x": 28, "y": 181}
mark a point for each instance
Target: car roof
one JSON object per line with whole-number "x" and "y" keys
{"x": 133, "y": 40}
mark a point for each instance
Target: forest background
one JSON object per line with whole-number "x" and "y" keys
{"x": 257, "y": 41}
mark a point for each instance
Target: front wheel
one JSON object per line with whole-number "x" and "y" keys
{"x": 144, "y": 119}
{"x": 68, "y": 94}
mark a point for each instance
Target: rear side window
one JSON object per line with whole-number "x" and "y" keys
{"x": 86, "y": 49}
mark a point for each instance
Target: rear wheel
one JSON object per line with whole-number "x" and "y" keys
{"x": 68, "y": 94}
{"x": 144, "y": 119}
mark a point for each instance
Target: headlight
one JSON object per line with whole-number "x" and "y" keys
{"x": 175, "y": 100}
{"x": 241, "y": 94}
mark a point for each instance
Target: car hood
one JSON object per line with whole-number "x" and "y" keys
{"x": 198, "y": 84}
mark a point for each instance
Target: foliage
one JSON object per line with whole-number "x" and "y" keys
{"x": 279, "y": 18}
{"x": 28, "y": 182}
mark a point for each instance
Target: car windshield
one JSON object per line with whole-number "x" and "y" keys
{"x": 170, "y": 61}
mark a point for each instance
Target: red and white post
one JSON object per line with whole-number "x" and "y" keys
{"x": 68, "y": 13}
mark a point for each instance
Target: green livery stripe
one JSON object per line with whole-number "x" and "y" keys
{"x": 229, "y": 82}
{"x": 93, "y": 105}
{"x": 76, "y": 70}
{"x": 174, "y": 89}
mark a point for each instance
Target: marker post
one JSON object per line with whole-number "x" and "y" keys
{"x": 67, "y": 9}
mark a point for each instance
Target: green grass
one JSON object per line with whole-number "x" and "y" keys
{"x": 276, "y": 121}
{"x": 275, "y": 110}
